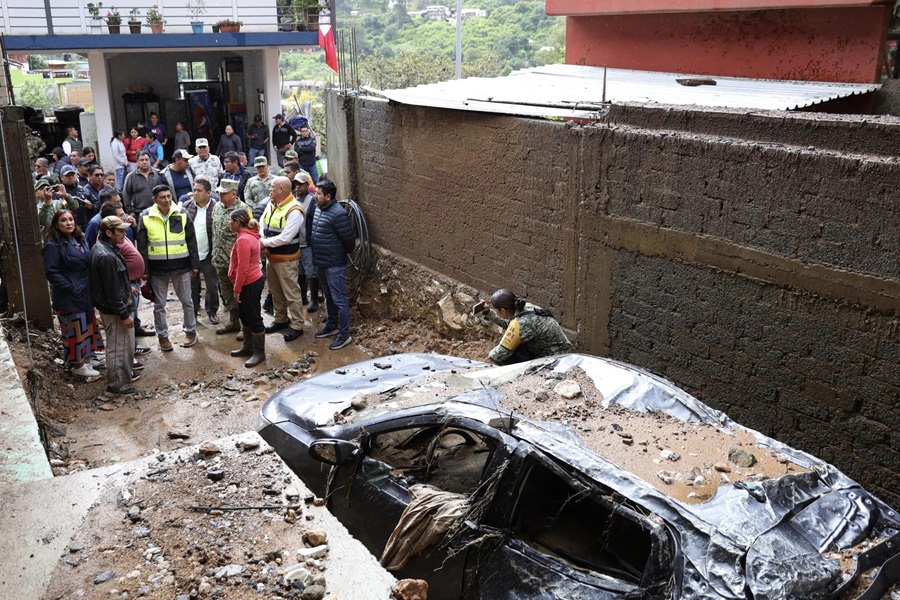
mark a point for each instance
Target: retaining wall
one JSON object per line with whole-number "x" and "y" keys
{"x": 753, "y": 259}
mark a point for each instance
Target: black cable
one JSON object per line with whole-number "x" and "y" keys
{"x": 361, "y": 258}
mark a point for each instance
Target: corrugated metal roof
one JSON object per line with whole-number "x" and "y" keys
{"x": 577, "y": 91}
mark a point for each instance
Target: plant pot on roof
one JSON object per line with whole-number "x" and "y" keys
{"x": 95, "y": 21}
{"x": 229, "y": 26}
{"x": 134, "y": 22}
{"x": 113, "y": 20}
{"x": 196, "y": 8}
{"x": 155, "y": 19}
{"x": 306, "y": 15}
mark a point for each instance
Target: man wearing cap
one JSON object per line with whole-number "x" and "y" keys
{"x": 48, "y": 205}
{"x": 282, "y": 223}
{"x": 290, "y": 158}
{"x": 205, "y": 163}
{"x": 283, "y": 136}
{"x": 223, "y": 239}
{"x": 235, "y": 171}
{"x": 258, "y": 186}
{"x": 70, "y": 187}
{"x": 178, "y": 174}
{"x": 137, "y": 192}
{"x": 111, "y": 294}
{"x": 199, "y": 208}
{"x": 84, "y": 169}
{"x": 258, "y": 134}
{"x": 167, "y": 242}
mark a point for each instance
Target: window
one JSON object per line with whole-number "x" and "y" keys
{"x": 191, "y": 70}
{"x": 554, "y": 518}
{"x": 450, "y": 458}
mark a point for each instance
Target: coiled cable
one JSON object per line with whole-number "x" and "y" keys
{"x": 361, "y": 258}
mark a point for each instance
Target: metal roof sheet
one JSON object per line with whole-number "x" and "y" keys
{"x": 577, "y": 91}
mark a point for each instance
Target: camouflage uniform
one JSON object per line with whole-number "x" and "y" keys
{"x": 36, "y": 145}
{"x": 46, "y": 212}
{"x": 257, "y": 189}
{"x": 223, "y": 240}
{"x": 530, "y": 335}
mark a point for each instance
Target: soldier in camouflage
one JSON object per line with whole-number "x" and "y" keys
{"x": 258, "y": 187}
{"x": 531, "y": 331}
{"x": 222, "y": 241}
{"x": 36, "y": 145}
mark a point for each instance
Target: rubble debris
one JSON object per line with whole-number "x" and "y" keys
{"x": 568, "y": 389}
{"x": 741, "y": 457}
{"x": 103, "y": 577}
{"x": 410, "y": 589}
{"x": 315, "y": 537}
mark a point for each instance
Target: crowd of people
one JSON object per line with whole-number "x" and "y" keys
{"x": 195, "y": 223}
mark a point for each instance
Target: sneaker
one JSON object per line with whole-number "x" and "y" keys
{"x": 339, "y": 343}
{"x": 95, "y": 362}
{"x": 213, "y": 318}
{"x": 125, "y": 391}
{"x": 292, "y": 334}
{"x": 276, "y": 326}
{"x": 137, "y": 366}
{"x": 135, "y": 375}
{"x": 86, "y": 370}
{"x": 190, "y": 338}
{"x": 326, "y": 332}
{"x": 138, "y": 350}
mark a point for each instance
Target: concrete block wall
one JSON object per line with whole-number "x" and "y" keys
{"x": 751, "y": 259}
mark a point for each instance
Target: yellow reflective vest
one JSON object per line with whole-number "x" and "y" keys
{"x": 274, "y": 219}
{"x": 167, "y": 239}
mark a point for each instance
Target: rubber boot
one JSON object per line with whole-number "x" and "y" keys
{"x": 259, "y": 349}
{"x": 303, "y": 290}
{"x": 313, "y": 294}
{"x": 247, "y": 349}
{"x": 233, "y": 324}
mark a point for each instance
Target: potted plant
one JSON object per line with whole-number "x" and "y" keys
{"x": 134, "y": 22}
{"x": 155, "y": 19}
{"x": 229, "y": 26}
{"x": 113, "y": 19}
{"x": 307, "y": 15}
{"x": 94, "y": 11}
{"x": 196, "y": 8}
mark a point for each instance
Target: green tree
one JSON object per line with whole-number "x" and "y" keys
{"x": 37, "y": 94}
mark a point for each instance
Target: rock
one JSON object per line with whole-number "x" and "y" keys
{"x": 628, "y": 441}
{"x": 382, "y": 366}
{"x": 76, "y": 547}
{"x": 448, "y": 312}
{"x": 247, "y": 446}
{"x": 722, "y": 467}
{"x": 296, "y": 573}
{"x": 232, "y": 385}
{"x": 315, "y": 552}
{"x": 315, "y": 537}
{"x": 134, "y": 513}
{"x": 359, "y": 404}
{"x": 741, "y": 457}
{"x": 103, "y": 577}
{"x": 669, "y": 455}
{"x": 410, "y": 589}
{"x": 568, "y": 389}
{"x": 140, "y": 532}
{"x": 108, "y": 407}
{"x": 143, "y": 590}
{"x": 216, "y": 474}
{"x": 319, "y": 502}
{"x": 668, "y": 477}
{"x": 229, "y": 571}
{"x": 313, "y": 592}
{"x": 541, "y": 396}
{"x": 178, "y": 434}
{"x": 209, "y": 449}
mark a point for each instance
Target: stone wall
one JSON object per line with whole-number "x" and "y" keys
{"x": 752, "y": 259}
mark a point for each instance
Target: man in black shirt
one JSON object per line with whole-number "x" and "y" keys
{"x": 283, "y": 137}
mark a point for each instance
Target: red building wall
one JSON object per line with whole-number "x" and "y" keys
{"x": 838, "y": 43}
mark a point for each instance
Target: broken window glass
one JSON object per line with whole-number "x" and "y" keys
{"x": 450, "y": 458}
{"x": 554, "y": 518}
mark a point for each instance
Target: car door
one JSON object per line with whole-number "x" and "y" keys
{"x": 559, "y": 536}
{"x": 452, "y": 454}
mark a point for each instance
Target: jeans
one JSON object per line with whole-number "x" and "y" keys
{"x": 212, "y": 287}
{"x": 136, "y": 300}
{"x": 249, "y": 307}
{"x": 334, "y": 284}
{"x": 280, "y": 155}
{"x": 307, "y": 266}
{"x": 254, "y": 152}
{"x": 313, "y": 172}
{"x": 120, "y": 177}
{"x": 182, "y": 284}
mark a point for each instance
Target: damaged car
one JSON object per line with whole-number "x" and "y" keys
{"x": 574, "y": 477}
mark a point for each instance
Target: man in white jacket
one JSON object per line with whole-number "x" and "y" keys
{"x": 120, "y": 158}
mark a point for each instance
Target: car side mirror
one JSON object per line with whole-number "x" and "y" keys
{"x": 334, "y": 452}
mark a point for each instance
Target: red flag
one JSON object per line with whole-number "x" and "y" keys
{"x": 326, "y": 41}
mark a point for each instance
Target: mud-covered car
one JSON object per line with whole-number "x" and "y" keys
{"x": 574, "y": 477}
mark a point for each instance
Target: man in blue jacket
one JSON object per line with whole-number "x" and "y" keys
{"x": 332, "y": 241}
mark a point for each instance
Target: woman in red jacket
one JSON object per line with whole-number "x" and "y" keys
{"x": 133, "y": 144}
{"x": 246, "y": 276}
